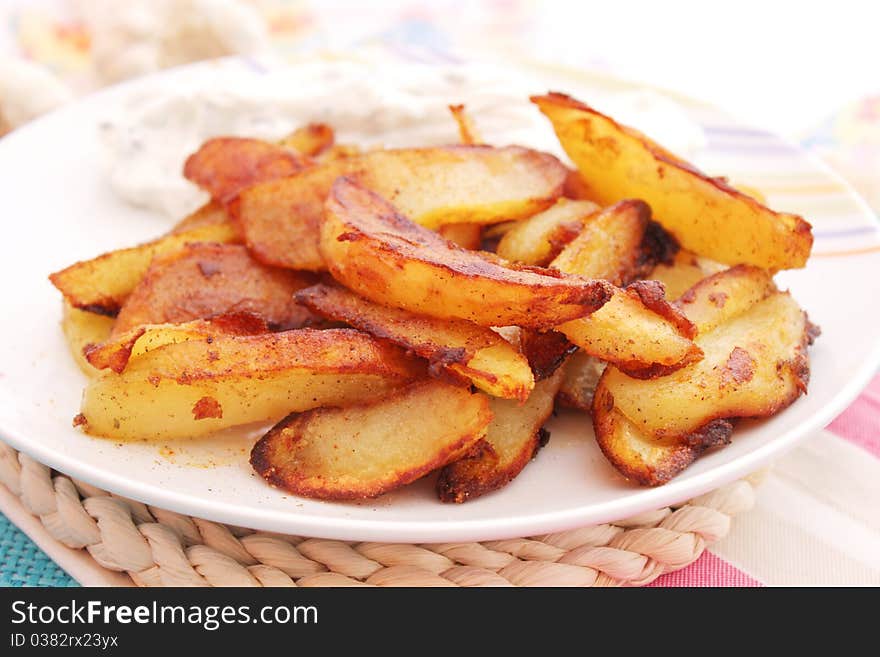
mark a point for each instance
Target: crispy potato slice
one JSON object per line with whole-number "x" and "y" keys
{"x": 755, "y": 364}
{"x": 434, "y": 186}
{"x": 686, "y": 270}
{"x": 580, "y": 378}
{"x": 706, "y": 215}
{"x": 575, "y": 188}
{"x": 226, "y": 165}
{"x": 722, "y": 296}
{"x": 380, "y": 254}
{"x": 545, "y": 351}
{"x": 82, "y": 329}
{"x": 469, "y": 352}
{"x": 619, "y": 244}
{"x": 196, "y": 387}
{"x": 467, "y": 236}
{"x": 115, "y": 352}
{"x": 647, "y": 460}
{"x": 365, "y": 450}
{"x": 514, "y": 436}
{"x": 638, "y": 331}
{"x": 102, "y": 285}
{"x": 210, "y": 214}
{"x": 203, "y": 280}
{"x": 467, "y": 131}
{"x": 311, "y": 140}
{"x": 540, "y": 238}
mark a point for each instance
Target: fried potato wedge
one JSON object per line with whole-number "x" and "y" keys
{"x": 311, "y": 140}
{"x": 514, "y": 436}
{"x": 365, "y": 450}
{"x": 81, "y": 330}
{"x": 434, "y": 186}
{"x": 376, "y": 251}
{"x": 467, "y": 131}
{"x": 203, "y": 280}
{"x": 719, "y": 298}
{"x": 647, "y": 460}
{"x": 706, "y": 215}
{"x": 540, "y": 238}
{"x": 117, "y": 350}
{"x": 196, "y": 387}
{"x": 579, "y": 381}
{"x": 619, "y": 244}
{"x": 545, "y": 351}
{"x": 755, "y": 364}
{"x": 210, "y": 214}
{"x": 467, "y": 236}
{"x": 684, "y": 271}
{"x": 469, "y": 352}
{"x": 102, "y": 285}
{"x": 226, "y": 165}
{"x": 638, "y": 331}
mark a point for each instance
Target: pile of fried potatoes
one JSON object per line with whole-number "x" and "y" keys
{"x": 406, "y": 311}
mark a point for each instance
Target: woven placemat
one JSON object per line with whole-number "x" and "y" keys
{"x": 157, "y": 547}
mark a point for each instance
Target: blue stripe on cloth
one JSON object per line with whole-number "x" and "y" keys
{"x": 24, "y": 564}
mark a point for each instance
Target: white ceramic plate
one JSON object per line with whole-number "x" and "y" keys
{"x": 59, "y": 209}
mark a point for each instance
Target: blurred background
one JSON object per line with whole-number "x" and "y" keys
{"x": 808, "y": 71}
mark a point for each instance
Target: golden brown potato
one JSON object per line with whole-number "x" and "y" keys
{"x": 637, "y": 330}
{"x": 539, "y": 239}
{"x": 619, "y": 244}
{"x": 365, "y": 450}
{"x": 102, "y": 285}
{"x": 647, "y": 460}
{"x": 464, "y": 350}
{"x": 514, "y": 436}
{"x": 118, "y": 349}
{"x": 755, "y": 364}
{"x": 706, "y": 215}
{"x": 226, "y": 165}
{"x": 210, "y": 214}
{"x": 467, "y": 236}
{"x": 310, "y": 140}
{"x": 755, "y": 340}
{"x": 719, "y": 298}
{"x": 434, "y": 186}
{"x": 82, "y": 329}
{"x": 380, "y": 254}
{"x": 581, "y": 375}
{"x": 467, "y": 131}
{"x": 685, "y": 271}
{"x": 203, "y": 280}
{"x": 196, "y": 387}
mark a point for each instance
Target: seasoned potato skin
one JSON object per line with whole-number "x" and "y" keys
{"x": 456, "y": 350}
{"x": 203, "y": 280}
{"x": 226, "y": 165}
{"x": 311, "y": 140}
{"x": 755, "y": 341}
{"x": 538, "y": 239}
{"x": 253, "y": 378}
{"x": 82, "y": 330}
{"x": 101, "y": 285}
{"x": 379, "y": 253}
{"x": 512, "y": 440}
{"x": 290, "y": 456}
{"x": 434, "y": 186}
{"x": 705, "y": 214}
{"x": 649, "y": 461}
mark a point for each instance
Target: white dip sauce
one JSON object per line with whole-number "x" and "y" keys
{"x": 152, "y": 131}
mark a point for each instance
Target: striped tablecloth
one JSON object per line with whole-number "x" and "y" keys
{"x": 817, "y": 519}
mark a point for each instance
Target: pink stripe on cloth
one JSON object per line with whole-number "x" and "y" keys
{"x": 860, "y": 423}
{"x": 708, "y": 570}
